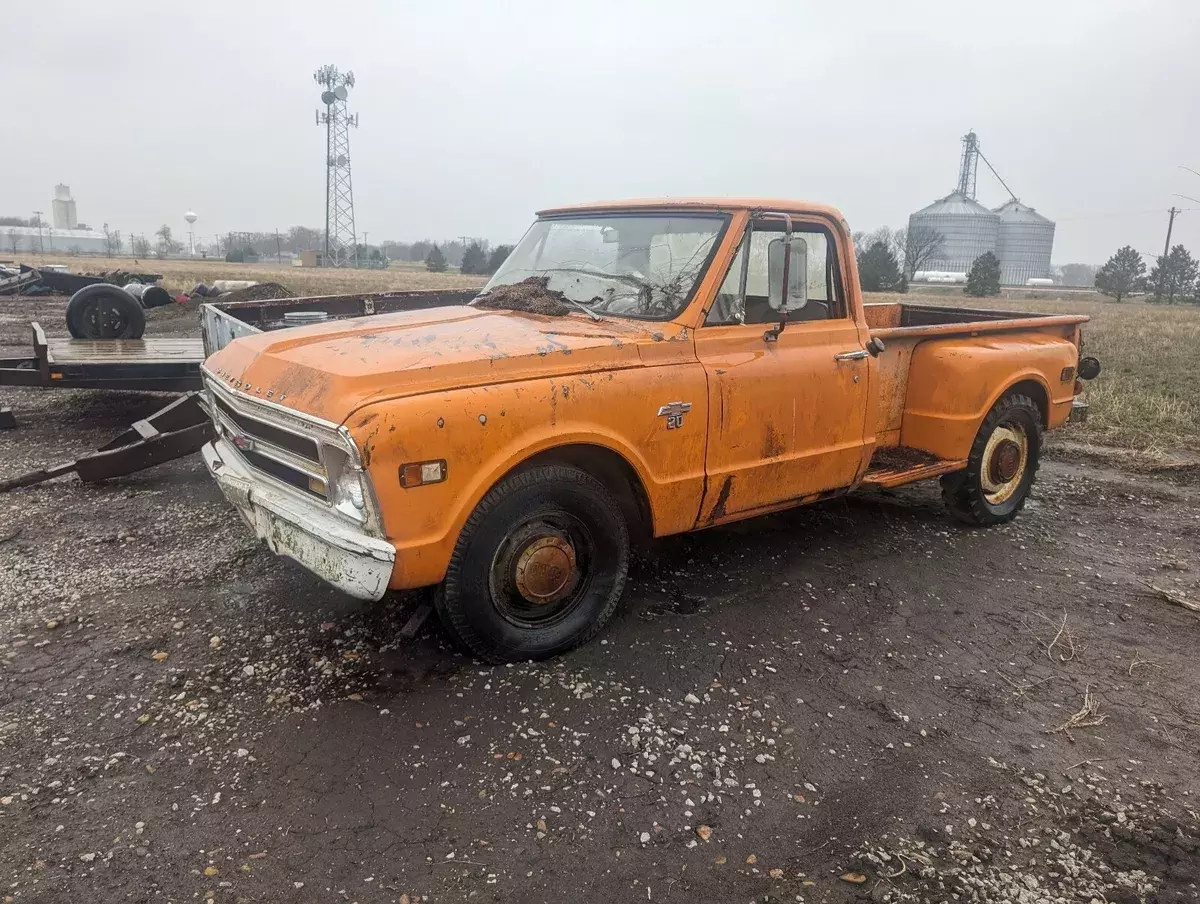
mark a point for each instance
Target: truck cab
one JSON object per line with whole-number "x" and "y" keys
{"x": 634, "y": 369}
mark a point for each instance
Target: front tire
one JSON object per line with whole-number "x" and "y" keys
{"x": 538, "y": 568}
{"x": 1001, "y": 467}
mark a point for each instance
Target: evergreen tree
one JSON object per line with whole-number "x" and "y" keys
{"x": 878, "y": 270}
{"x": 1174, "y": 278}
{"x": 984, "y": 277}
{"x": 435, "y": 262}
{"x": 498, "y": 256}
{"x": 1125, "y": 272}
{"x": 474, "y": 259}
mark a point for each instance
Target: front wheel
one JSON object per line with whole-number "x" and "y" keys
{"x": 1001, "y": 467}
{"x": 538, "y": 568}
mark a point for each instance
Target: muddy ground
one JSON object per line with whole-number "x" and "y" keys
{"x": 861, "y": 688}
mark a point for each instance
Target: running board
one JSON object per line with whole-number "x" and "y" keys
{"x": 888, "y": 475}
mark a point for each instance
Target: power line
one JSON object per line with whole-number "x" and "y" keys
{"x": 1120, "y": 213}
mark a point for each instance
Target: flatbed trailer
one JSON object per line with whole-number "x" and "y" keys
{"x": 173, "y": 364}
{"x": 153, "y": 363}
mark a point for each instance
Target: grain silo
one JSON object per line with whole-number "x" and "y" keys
{"x": 968, "y": 229}
{"x": 1024, "y": 245}
{"x": 1016, "y": 233}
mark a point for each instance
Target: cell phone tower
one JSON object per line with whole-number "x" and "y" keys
{"x": 340, "y": 246}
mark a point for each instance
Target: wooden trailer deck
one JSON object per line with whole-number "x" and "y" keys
{"x": 154, "y": 363}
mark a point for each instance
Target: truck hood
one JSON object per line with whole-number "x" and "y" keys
{"x": 330, "y": 370}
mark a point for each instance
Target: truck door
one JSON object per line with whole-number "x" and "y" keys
{"x": 787, "y": 418}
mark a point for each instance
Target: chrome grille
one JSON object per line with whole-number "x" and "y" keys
{"x": 268, "y": 447}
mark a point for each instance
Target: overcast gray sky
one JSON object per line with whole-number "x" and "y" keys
{"x": 473, "y": 115}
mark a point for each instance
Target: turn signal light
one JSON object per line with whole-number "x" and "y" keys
{"x": 420, "y": 473}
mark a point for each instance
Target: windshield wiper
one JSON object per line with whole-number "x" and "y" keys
{"x": 579, "y": 304}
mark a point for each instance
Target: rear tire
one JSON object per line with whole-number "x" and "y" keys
{"x": 1001, "y": 467}
{"x": 104, "y": 311}
{"x": 538, "y": 568}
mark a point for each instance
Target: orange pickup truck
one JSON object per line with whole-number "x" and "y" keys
{"x": 634, "y": 369}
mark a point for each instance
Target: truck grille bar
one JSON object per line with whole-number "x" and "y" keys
{"x": 269, "y": 448}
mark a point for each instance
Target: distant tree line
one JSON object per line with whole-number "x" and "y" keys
{"x": 1174, "y": 278}
{"x": 475, "y": 259}
{"x": 470, "y": 255}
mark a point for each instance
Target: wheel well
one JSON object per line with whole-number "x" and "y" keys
{"x": 612, "y": 470}
{"x": 1037, "y": 392}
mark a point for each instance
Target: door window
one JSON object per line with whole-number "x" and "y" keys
{"x": 824, "y": 300}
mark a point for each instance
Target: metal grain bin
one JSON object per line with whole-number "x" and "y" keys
{"x": 969, "y": 229}
{"x": 1024, "y": 245}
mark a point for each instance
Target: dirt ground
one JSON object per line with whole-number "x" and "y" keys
{"x": 860, "y": 689}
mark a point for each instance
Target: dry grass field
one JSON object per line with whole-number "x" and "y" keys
{"x": 182, "y": 275}
{"x": 1147, "y": 397}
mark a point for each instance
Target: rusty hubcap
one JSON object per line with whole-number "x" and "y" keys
{"x": 545, "y": 570}
{"x": 1006, "y": 461}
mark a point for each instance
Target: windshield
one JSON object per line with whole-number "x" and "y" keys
{"x": 620, "y": 264}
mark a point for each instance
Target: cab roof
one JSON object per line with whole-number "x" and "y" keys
{"x": 725, "y": 205}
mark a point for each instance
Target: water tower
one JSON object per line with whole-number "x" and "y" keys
{"x": 190, "y": 216}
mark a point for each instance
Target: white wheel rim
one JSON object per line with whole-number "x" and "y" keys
{"x": 997, "y": 462}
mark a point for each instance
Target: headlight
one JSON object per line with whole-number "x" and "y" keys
{"x": 346, "y": 490}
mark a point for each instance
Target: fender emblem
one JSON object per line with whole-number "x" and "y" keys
{"x": 674, "y": 412}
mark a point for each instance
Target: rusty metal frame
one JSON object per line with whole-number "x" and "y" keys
{"x": 179, "y": 429}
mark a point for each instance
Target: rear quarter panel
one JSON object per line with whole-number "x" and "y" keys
{"x": 485, "y": 432}
{"x": 953, "y": 383}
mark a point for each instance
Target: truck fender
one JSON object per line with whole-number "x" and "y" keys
{"x": 588, "y": 449}
{"x": 953, "y": 384}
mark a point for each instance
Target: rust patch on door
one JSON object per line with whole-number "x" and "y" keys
{"x": 773, "y": 444}
{"x": 718, "y": 510}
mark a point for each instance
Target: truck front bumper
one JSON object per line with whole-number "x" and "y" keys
{"x": 302, "y": 530}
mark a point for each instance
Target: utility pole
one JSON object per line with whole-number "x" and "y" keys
{"x": 1162, "y": 267}
{"x": 41, "y": 246}
{"x": 278, "y": 248}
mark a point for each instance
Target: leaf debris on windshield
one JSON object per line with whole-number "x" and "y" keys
{"x": 531, "y": 295}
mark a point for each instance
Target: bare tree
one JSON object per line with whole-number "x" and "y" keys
{"x": 112, "y": 241}
{"x": 859, "y": 238}
{"x": 14, "y": 241}
{"x": 922, "y": 243}
{"x": 166, "y": 243}
{"x": 141, "y": 247}
{"x": 899, "y": 242}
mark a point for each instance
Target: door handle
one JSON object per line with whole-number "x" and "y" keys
{"x": 857, "y": 355}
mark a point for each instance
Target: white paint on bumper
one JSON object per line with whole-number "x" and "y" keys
{"x": 304, "y": 531}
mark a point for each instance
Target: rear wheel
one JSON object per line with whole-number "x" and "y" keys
{"x": 538, "y": 568}
{"x": 1001, "y": 467}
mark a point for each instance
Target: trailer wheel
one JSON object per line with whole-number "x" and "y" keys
{"x": 105, "y": 311}
{"x": 1001, "y": 467}
{"x": 538, "y": 568}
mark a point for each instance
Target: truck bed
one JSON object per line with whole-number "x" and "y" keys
{"x": 904, "y": 327}
{"x": 897, "y": 319}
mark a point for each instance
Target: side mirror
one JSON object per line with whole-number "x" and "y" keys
{"x": 797, "y": 289}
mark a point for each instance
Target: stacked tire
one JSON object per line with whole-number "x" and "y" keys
{"x": 105, "y": 311}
